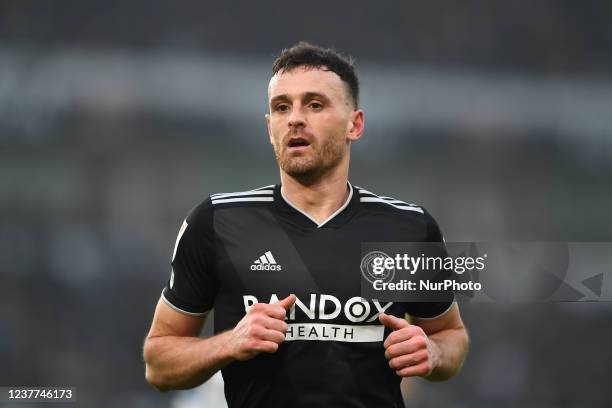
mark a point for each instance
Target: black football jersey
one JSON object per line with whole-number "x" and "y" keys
{"x": 237, "y": 249}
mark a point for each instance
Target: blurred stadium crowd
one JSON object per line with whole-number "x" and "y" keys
{"x": 116, "y": 118}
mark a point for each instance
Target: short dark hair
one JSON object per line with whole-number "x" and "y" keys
{"x": 304, "y": 54}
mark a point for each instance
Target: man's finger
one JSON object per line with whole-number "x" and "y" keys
{"x": 408, "y": 360}
{"x": 392, "y": 322}
{"x": 271, "y": 335}
{"x": 396, "y": 351}
{"x": 287, "y": 302}
{"x": 264, "y": 346}
{"x": 402, "y": 335}
{"x": 275, "y": 324}
{"x": 404, "y": 347}
{"x": 272, "y": 310}
{"x": 422, "y": 369}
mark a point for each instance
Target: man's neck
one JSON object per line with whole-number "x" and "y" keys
{"x": 320, "y": 199}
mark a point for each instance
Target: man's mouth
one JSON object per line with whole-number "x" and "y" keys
{"x": 297, "y": 143}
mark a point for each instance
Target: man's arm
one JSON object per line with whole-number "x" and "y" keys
{"x": 176, "y": 358}
{"x": 450, "y": 342}
{"x": 431, "y": 348}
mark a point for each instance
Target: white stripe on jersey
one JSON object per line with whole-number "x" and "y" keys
{"x": 234, "y": 200}
{"x": 387, "y": 200}
{"x": 242, "y": 193}
{"x": 178, "y": 309}
{"x": 380, "y": 200}
{"x": 178, "y": 239}
{"x": 394, "y": 200}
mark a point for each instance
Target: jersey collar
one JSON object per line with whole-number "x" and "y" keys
{"x": 335, "y": 220}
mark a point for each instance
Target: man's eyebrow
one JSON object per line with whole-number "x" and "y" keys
{"x": 315, "y": 95}
{"x": 281, "y": 97}
{"x": 307, "y": 96}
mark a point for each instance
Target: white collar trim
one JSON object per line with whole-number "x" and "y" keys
{"x": 331, "y": 217}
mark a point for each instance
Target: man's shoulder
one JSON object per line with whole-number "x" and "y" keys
{"x": 389, "y": 204}
{"x": 259, "y": 195}
{"x": 202, "y": 213}
{"x": 398, "y": 210}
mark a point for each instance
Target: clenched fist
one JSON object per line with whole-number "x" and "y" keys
{"x": 408, "y": 349}
{"x": 261, "y": 330}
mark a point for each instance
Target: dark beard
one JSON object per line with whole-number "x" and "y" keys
{"x": 310, "y": 171}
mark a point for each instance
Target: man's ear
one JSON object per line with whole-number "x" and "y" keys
{"x": 356, "y": 125}
{"x": 267, "y": 116}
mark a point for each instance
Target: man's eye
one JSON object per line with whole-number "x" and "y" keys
{"x": 316, "y": 105}
{"x": 281, "y": 108}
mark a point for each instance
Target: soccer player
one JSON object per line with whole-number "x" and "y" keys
{"x": 280, "y": 265}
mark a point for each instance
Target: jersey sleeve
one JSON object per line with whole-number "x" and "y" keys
{"x": 432, "y": 310}
{"x": 193, "y": 283}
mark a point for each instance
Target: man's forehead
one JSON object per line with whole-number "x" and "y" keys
{"x": 302, "y": 80}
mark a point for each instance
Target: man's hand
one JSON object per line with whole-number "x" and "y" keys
{"x": 261, "y": 330}
{"x": 408, "y": 349}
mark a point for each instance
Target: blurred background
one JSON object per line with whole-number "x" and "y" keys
{"x": 117, "y": 117}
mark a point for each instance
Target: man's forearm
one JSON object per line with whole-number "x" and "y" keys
{"x": 184, "y": 362}
{"x": 450, "y": 348}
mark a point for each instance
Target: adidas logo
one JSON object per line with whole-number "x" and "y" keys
{"x": 266, "y": 262}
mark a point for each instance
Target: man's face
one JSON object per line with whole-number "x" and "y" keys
{"x": 311, "y": 121}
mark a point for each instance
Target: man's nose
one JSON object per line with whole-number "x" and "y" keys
{"x": 297, "y": 119}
